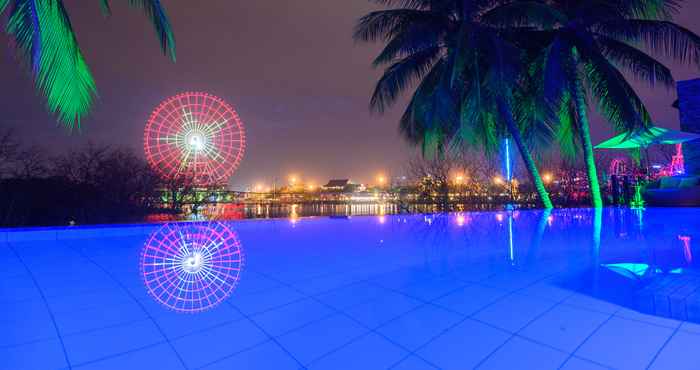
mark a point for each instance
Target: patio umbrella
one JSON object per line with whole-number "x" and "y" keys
{"x": 645, "y": 138}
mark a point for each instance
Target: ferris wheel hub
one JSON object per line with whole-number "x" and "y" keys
{"x": 196, "y": 141}
{"x": 193, "y": 263}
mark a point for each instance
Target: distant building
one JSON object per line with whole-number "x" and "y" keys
{"x": 337, "y": 185}
{"x": 689, "y": 107}
{"x": 342, "y": 186}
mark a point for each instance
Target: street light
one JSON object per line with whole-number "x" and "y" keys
{"x": 547, "y": 177}
{"x": 293, "y": 179}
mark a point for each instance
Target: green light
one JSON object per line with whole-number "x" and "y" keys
{"x": 637, "y": 201}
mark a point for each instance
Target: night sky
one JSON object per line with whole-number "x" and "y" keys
{"x": 290, "y": 68}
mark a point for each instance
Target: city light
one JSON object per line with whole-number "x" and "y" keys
{"x": 258, "y": 188}
{"x": 498, "y": 180}
{"x": 293, "y": 179}
{"x": 548, "y": 178}
{"x": 381, "y": 180}
{"x": 459, "y": 179}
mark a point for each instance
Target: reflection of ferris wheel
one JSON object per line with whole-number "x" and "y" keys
{"x": 191, "y": 267}
{"x": 195, "y": 135}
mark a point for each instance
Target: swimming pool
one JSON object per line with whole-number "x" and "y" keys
{"x": 570, "y": 289}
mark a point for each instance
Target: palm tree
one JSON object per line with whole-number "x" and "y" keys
{"x": 588, "y": 47}
{"x": 44, "y": 37}
{"x": 466, "y": 75}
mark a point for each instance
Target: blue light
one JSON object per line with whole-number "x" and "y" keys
{"x": 508, "y": 160}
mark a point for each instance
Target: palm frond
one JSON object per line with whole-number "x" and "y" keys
{"x": 660, "y": 37}
{"x": 415, "y": 37}
{"x": 383, "y": 25}
{"x": 650, "y": 9}
{"x": 617, "y": 100}
{"x": 524, "y": 13}
{"x": 105, "y": 7}
{"x": 400, "y": 76}
{"x": 567, "y": 131}
{"x": 417, "y": 118}
{"x": 408, "y": 4}
{"x": 44, "y": 36}
{"x": 155, "y": 11}
{"x": 641, "y": 65}
{"x": 533, "y": 113}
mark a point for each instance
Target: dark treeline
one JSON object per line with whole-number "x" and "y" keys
{"x": 97, "y": 184}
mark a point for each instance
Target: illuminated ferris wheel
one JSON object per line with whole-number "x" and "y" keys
{"x": 191, "y": 267}
{"x": 195, "y": 135}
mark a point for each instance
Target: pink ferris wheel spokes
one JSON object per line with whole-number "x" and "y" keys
{"x": 196, "y": 135}
{"x": 191, "y": 267}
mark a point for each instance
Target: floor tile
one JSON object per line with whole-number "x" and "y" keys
{"x": 463, "y": 346}
{"x": 470, "y": 299}
{"x": 590, "y": 303}
{"x": 523, "y": 354}
{"x": 419, "y": 326}
{"x": 99, "y": 344}
{"x": 324, "y": 284}
{"x": 95, "y": 299}
{"x": 40, "y": 355}
{"x": 432, "y": 289}
{"x": 404, "y": 277}
{"x": 369, "y": 352}
{"x": 260, "y": 302}
{"x": 206, "y": 347}
{"x": 579, "y": 364}
{"x": 160, "y": 356}
{"x": 22, "y": 310}
{"x": 413, "y": 363}
{"x": 624, "y": 344}
{"x": 680, "y": 353}
{"x": 547, "y": 289}
{"x": 18, "y": 289}
{"x": 30, "y": 329}
{"x": 291, "y": 316}
{"x": 502, "y": 314}
{"x": 266, "y": 356}
{"x": 564, "y": 327}
{"x": 691, "y": 327}
{"x": 177, "y": 324}
{"x": 512, "y": 280}
{"x": 383, "y": 309}
{"x": 318, "y": 338}
{"x": 351, "y": 295}
{"x": 651, "y": 319}
{"x": 70, "y": 322}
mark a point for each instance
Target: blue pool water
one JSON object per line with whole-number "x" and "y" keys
{"x": 570, "y": 289}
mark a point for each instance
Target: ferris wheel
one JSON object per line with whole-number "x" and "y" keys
{"x": 191, "y": 267}
{"x": 197, "y": 136}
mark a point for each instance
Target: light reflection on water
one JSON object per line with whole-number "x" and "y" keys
{"x": 641, "y": 259}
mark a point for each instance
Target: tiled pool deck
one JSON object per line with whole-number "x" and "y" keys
{"x": 329, "y": 294}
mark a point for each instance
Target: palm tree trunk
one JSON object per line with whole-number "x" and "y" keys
{"x": 527, "y": 157}
{"x": 589, "y": 157}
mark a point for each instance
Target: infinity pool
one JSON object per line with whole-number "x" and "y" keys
{"x": 567, "y": 289}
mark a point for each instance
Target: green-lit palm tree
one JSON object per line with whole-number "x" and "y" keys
{"x": 42, "y": 32}
{"x": 588, "y": 47}
{"x": 467, "y": 75}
